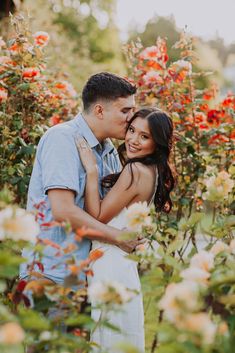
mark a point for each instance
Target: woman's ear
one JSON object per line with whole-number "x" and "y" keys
{"x": 99, "y": 111}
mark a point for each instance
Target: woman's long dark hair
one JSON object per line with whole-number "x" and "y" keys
{"x": 161, "y": 128}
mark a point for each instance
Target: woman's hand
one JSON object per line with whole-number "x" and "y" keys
{"x": 87, "y": 156}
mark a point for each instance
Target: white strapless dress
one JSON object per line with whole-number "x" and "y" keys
{"x": 114, "y": 266}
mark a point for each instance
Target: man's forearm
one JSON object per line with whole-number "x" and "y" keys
{"x": 64, "y": 209}
{"x": 78, "y": 218}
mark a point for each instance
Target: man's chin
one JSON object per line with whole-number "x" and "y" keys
{"x": 120, "y": 137}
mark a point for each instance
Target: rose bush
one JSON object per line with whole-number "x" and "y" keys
{"x": 31, "y": 99}
{"x": 203, "y": 206}
{"x": 187, "y": 266}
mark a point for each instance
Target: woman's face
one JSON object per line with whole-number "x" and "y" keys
{"x": 139, "y": 141}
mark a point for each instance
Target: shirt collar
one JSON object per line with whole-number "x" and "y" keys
{"x": 88, "y": 134}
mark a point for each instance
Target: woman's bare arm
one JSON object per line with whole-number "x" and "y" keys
{"x": 127, "y": 188}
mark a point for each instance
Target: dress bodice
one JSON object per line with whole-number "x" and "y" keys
{"x": 119, "y": 221}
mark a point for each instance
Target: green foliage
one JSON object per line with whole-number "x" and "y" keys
{"x": 80, "y": 39}
{"x": 202, "y": 199}
{"x": 32, "y": 98}
{"x": 158, "y": 27}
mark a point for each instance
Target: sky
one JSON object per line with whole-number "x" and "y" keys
{"x": 204, "y": 18}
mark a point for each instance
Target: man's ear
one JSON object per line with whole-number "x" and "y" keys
{"x": 99, "y": 111}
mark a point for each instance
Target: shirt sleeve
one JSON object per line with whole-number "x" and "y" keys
{"x": 60, "y": 163}
{"x": 117, "y": 163}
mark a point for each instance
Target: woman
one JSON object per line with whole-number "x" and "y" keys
{"x": 146, "y": 176}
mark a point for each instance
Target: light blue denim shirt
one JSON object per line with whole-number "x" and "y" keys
{"x": 58, "y": 166}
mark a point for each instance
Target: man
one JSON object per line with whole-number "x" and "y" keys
{"x": 58, "y": 178}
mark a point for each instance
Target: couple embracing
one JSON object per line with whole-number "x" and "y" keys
{"x": 78, "y": 177}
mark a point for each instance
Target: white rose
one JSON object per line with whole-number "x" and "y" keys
{"x": 18, "y": 224}
{"x": 109, "y": 292}
{"x": 203, "y": 260}
{"x": 202, "y": 324}
{"x": 218, "y": 247}
{"x": 218, "y": 186}
{"x": 45, "y": 336}
{"x": 177, "y": 298}
{"x": 137, "y": 216}
{"x": 194, "y": 274}
{"x": 11, "y": 333}
{"x": 232, "y": 246}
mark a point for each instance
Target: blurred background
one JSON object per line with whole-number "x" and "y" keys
{"x": 87, "y": 36}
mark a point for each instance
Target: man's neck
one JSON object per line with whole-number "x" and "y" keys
{"x": 92, "y": 123}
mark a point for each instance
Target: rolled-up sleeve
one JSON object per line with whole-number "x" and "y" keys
{"x": 59, "y": 161}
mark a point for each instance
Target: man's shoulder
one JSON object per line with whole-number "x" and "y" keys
{"x": 65, "y": 128}
{"x": 59, "y": 132}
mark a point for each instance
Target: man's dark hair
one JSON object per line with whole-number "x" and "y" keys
{"x": 105, "y": 85}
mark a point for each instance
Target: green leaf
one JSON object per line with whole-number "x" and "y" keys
{"x": 79, "y": 319}
{"x": 172, "y": 231}
{"x": 175, "y": 245}
{"x": 194, "y": 218}
{"x": 160, "y": 251}
{"x": 171, "y": 261}
{"x": 125, "y": 347}
{"x": 32, "y": 320}
{"x": 15, "y": 348}
{"x": 24, "y": 86}
{"x": 230, "y": 220}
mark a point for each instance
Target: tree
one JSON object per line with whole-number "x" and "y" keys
{"x": 81, "y": 33}
{"x": 163, "y": 27}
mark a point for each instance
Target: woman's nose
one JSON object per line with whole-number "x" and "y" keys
{"x": 135, "y": 139}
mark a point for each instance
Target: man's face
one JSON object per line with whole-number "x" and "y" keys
{"x": 116, "y": 114}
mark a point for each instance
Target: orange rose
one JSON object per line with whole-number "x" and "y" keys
{"x": 41, "y": 38}
{"x": 54, "y": 120}
{"x": 217, "y": 139}
{"x": 95, "y": 254}
{"x": 31, "y": 73}
{"x": 3, "y": 94}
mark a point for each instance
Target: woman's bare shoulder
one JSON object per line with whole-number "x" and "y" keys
{"x": 141, "y": 172}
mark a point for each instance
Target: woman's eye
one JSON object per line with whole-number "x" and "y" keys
{"x": 131, "y": 129}
{"x": 144, "y": 137}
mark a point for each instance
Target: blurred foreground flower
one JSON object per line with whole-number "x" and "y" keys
{"x": 218, "y": 247}
{"x": 203, "y": 260}
{"x": 18, "y": 224}
{"x": 138, "y": 216}
{"x": 218, "y": 187}
{"x": 201, "y": 324}
{"x": 196, "y": 275}
{"x": 177, "y": 297}
{"x": 111, "y": 292}
{"x": 199, "y": 269}
{"x": 11, "y": 333}
{"x": 232, "y": 246}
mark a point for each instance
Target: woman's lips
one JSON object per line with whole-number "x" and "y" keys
{"x": 133, "y": 149}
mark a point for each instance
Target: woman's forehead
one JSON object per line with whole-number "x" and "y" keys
{"x": 141, "y": 123}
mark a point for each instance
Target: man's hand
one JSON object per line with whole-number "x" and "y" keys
{"x": 130, "y": 245}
